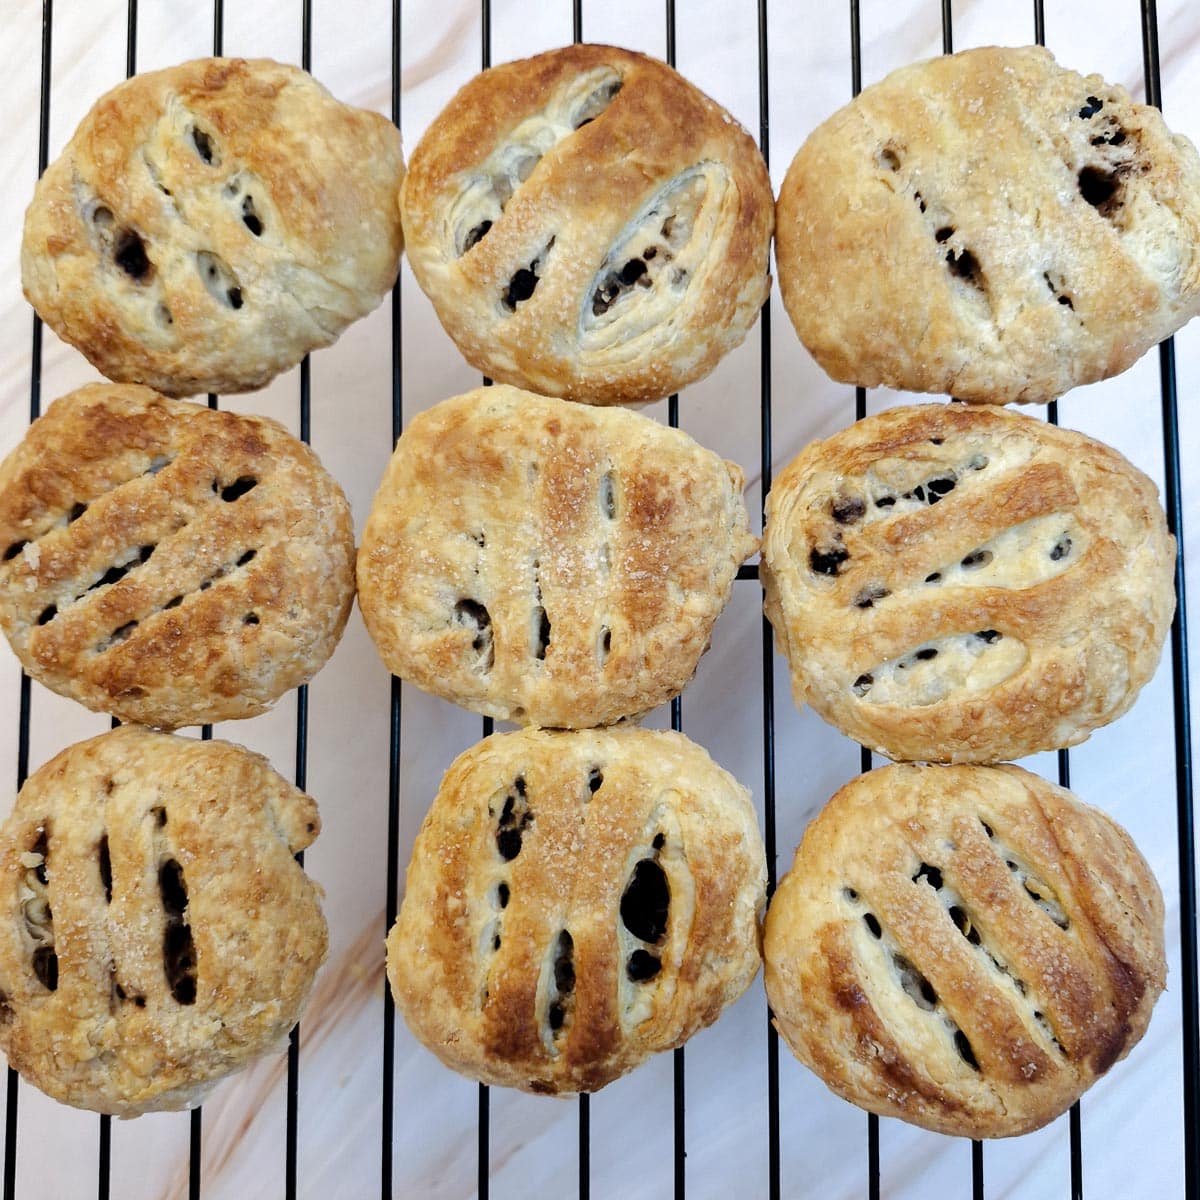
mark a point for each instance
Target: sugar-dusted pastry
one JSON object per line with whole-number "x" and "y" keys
{"x": 168, "y": 563}
{"x": 576, "y": 902}
{"x": 961, "y": 584}
{"x": 210, "y": 224}
{"x": 590, "y": 225}
{"x": 156, "y": 933}
{"x": 546, "y": 562}
{"x": 966, "y": 948}
{"x": 989, "y": 225}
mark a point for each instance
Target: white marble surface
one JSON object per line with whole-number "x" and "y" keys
{"x": 1132, "y": 1121}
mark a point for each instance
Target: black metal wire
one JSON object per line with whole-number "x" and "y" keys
{"x": 131, "y": 19}
{"x": 301, "y": 775}
{"x": 105, "y": 1158}
{"x": 768, "y": 648}
{"x": 679, "y": 1067}
{"x": 394, "y": 707}
{"x": 585, "y": 1146}
{"x": 104, "y": 1148}
{"x": 195, "y": 1148}
{"x": 860, "y": 411}
{"x": 976, "y": 1145}
{"x": 25, "y": 692}
{"x": 1185, "y": 813}
{"x": 482, "y": 1139}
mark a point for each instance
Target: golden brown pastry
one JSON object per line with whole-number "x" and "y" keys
{"x": 575, "y": 903}
{"x": 168, "y": 563}
{"x": 989, "y": 225}
{"x": 960, "y": 584}
{"x": 157, "y": 933}
{"x": 549, "y": 563}
{"x": 966, "y": 948}
{"x": 210, "y": 224}
{"x": 590, "y": 225}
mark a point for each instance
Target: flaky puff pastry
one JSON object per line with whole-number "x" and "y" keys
{"x": 168, "y": 563}
{"x": 576, "y": 902}
{"x": 966, "y": 948}
{"x": 156, "y": 933}
{"x": 549, "y": 563}
{"x": 209, "y": 224}
{"x": 989, "y": 225}
{"x": 959, "y": 584}
{"x": 590, "y": 225}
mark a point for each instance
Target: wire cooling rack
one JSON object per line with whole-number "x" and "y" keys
{"x": 801, "y": 1138}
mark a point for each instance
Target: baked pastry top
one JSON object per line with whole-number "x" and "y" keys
{"x": 210, "y": 224}
{"x": 989, "y": 225}
{"x": 576, "y": 901}
{"x": 157, "y": 933}
{"x": 546, "y": 562}
{"x": 590, "y": 225}
{"x": 961, "y": 584}
{"x": 169, "y": 563}
{"x": 966, "y": 948}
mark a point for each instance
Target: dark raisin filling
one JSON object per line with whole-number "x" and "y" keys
{"x": 646, "y": 902}
{"x": 130, "y": 255}
{"x": 827, "y": 562}
{"x": 848, "y": 509}
{"x": 641, "y": 966}
{"x": 514, "y": 820}
{"x": 238, "y": 488}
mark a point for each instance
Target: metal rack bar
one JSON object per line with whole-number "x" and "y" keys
{"x": 860, "y": 411}
{"x": 774, "y": 1186}
{"x": 585, "y": 1101}
{"x": 25, "y": 698}
{"x": 394, "y": 702}
{"x": 1185, "y": 813}
{"x": 483, "y": 1131}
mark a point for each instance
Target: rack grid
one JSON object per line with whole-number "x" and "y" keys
{"x": 390, "y": 1181}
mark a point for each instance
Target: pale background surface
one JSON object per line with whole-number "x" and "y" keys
{"x": 1132, "y": 1121}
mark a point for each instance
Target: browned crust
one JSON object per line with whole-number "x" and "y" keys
{"x": 470, "y": 972}
{"x": 112, "y": 1037}
{"x": 980, "y": 152}
{"x": 497, "y": 497}
{"x": 322, "y": 179}
{"x": 583, "y": 193}
{"x": 226, "y": 598}
{"x": 1091, "y": 631}
{"x": 1047, "y": 999}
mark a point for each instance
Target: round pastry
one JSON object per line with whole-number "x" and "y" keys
{"x": 966, "y": 948}
{"x": 590, "y": 225}
{"x": 168, "y": 563}
{"x": 210, "y": 224}
{"x": 989, "y": 225}
{"x": 960, "y": 584}
{"x": 549, "y": 563}
{"x": 576, "y": 902}
{"x": 157, "y": 933}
